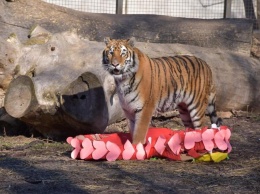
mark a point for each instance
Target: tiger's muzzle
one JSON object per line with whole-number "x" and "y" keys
{"x": 116, "y": 69}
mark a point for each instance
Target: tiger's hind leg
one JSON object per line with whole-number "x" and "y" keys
{"x": 211, "y": 109}
{"x": 185, "y": 115}
{"x": 193, "y": 115}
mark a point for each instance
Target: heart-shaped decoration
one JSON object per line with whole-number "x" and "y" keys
{"x": 74, "y": 154}
{"x": 87, "y": 149}
{"x": 100, "y": 149}
{"x": 68, "y": 140}
{"x": 148, "y": 146}
{"x": 128, "y": 150}
{"x": 160, "y": 145}
{"x": 140, "y": 154}
{"x": 220, "y": 140}
{"x": 227, "y": 137}
{"x": 80, "y": 137}
{"x": 174, "y": 144}
{"x": 190, "y": 138}
{"x": 113, "y": 151}
{"x": 207, "y": 139}
{"x": 75, "y": 143}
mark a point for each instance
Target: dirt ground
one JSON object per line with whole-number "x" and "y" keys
{"x": 38, "y": 165}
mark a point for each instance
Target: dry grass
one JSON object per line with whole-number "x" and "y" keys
{"x": 33, "y": 165}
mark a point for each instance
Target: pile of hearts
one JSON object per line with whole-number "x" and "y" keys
{"x": 200, "y": 145}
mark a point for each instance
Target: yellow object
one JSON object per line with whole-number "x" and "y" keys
{"x": 216, "y": 157}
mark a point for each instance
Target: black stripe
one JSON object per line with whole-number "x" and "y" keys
{"x": 177, "y": 64}
{"x": 138, "y": 110}
{"x": 130, "y": 88}
{"x": 151, "y": 78}
{"x": 134, "y": 98}
{"x": 137, "y": 85}
{"x": 172, "y": 77}
{"x": 104, "y": 58}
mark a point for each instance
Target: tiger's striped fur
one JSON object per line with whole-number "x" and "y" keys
{"x": 146, "y": 85}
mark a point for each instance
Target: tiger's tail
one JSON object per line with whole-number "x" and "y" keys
{"x": 211, "y": 109}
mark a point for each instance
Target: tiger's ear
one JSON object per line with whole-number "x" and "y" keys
{"x": 107, "y": 40}
{"x": 131, "y": 41}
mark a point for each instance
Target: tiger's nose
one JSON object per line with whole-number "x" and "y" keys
{"x": 115, "y": 64}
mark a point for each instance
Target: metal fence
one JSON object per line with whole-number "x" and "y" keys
{"x": 204, "y": 9}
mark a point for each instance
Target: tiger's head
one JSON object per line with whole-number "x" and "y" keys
{"x": 119, "y": 57}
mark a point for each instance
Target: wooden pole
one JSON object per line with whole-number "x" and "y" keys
{"x": 258, "y": 13}
{"x": 250, "y": 12}
{"x": 119, "y": 6}
{"x": 227, "y": 8}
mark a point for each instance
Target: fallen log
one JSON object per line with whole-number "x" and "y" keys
{"x": 228, "y": 34}
{"x": 59, "y": 85}
{"x": 61, "y": 88}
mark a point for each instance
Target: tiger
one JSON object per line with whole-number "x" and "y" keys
{"x": 146, "y": 86}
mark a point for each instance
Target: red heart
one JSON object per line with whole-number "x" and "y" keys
{"x": 100, "y": 149}
{"x": 87, "y": 149}
{"x": 113, "y": 151}
{"x": 128, "y": 150}
{"x": 174, "y": 144}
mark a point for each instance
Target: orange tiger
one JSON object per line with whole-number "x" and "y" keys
{"x": 146, "y": 85}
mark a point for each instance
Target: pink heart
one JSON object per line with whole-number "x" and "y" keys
{"x": 190, "y": 138}
{"x": 68, "y": 140}
{"x": 220, "y": 140}
{"x": 227, "y": 137}
{"x": 148, "y": 146}
{"x": 74, "y": 154}
{"x": 75, "y": 143}
{"x": 113, "y": 151}
{"x": 80, "y": 137}
{"x": 159, "y": 145}
{"x": 87, "y": 149}
{"x": 100, "y": 149}
{"x": 140, "y": 154}
{"x": 228, "y": 134}
{"x": 174, "y": 143}
{"x": 207, "y": 137}
{"x": 128, "y": 150}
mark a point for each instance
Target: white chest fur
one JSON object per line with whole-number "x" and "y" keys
{"x": 128, "y": 100}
